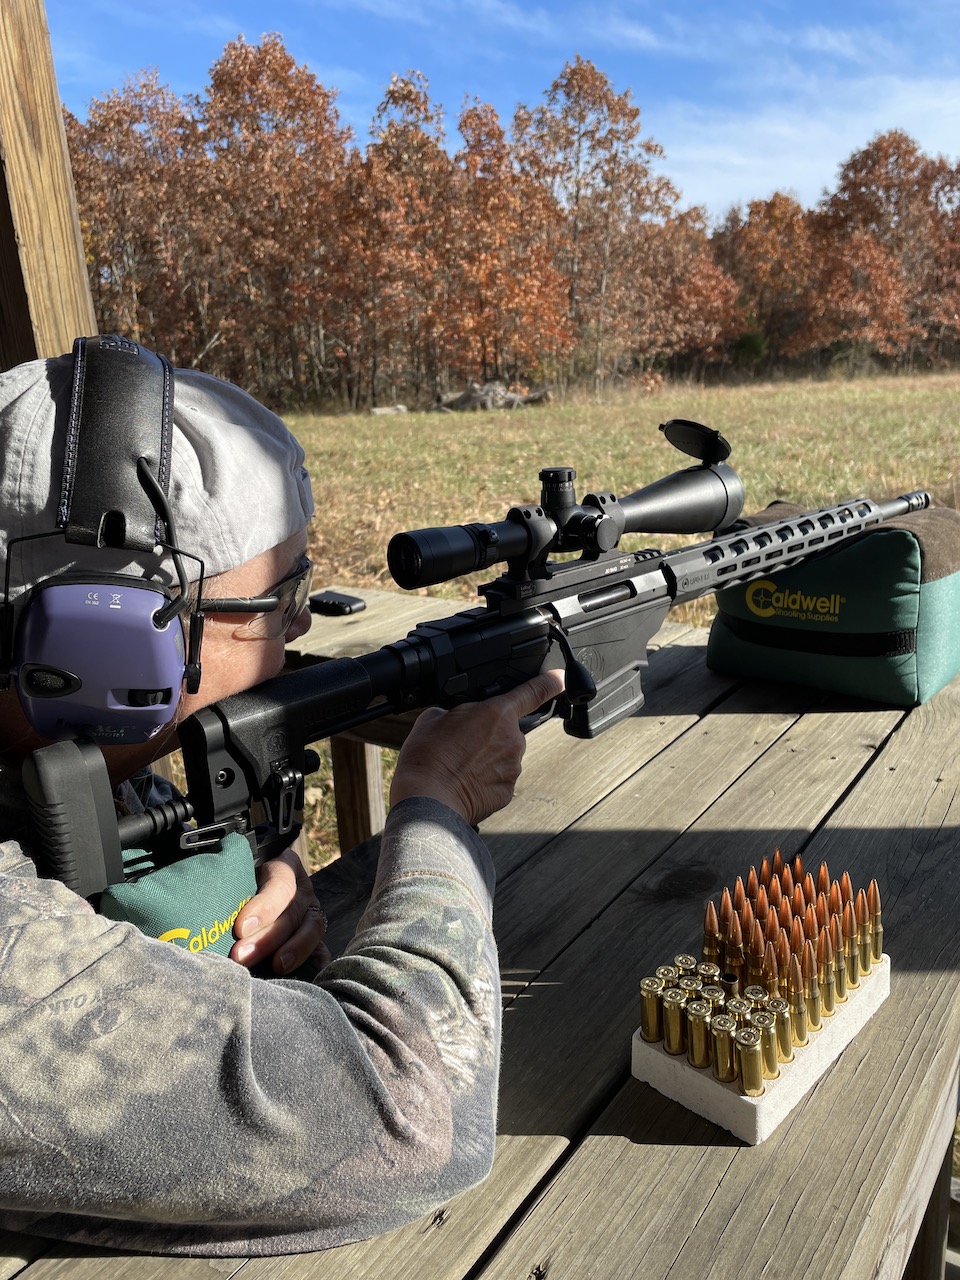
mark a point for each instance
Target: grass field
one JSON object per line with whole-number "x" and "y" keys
{"x": 809, "y": 442}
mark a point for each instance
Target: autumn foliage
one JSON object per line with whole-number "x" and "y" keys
{"x": 246, "y": 232}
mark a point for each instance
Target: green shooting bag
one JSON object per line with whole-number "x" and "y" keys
{"x": 192, "y": 903}
{"x": 877, "y": 617}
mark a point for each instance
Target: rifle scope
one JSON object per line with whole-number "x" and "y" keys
{"x": 696, "y": 500}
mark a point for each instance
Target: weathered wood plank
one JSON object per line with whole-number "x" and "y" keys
{"x": 45, "y": 297}
{"x": 73, "y": 1262}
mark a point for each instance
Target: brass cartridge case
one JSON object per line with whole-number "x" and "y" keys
{"x": 827, "y": 977}
{"x": 722, "y": 1031}
{"x": 739, "y": 1009}
{"x": 651, "y": 1016}
{"x": 714, "y": 996}
{"x": 698, "y": 1033}
{"x": 811, "y": 986}
{"x": 876, "y": 921}
{"x": 862, "y": 913}
{"x": 766, "y": 1024}
{"x": 839, "y": 961}
{"x": 798, "y": 1017}
{"x": 756, "y": 995}
{"x": 750, "y": 1062}
{"x": 876, "y": 941}
{"x": 690, "y": 986}
{"x": 674, "y": 1022}
{"x": 708, "y": 973}
{"x": 851, "y": 955}
{"x": 730, "y": 983}
{"x": 685, "y": 965}
{"x": 814, "y": 1006}
{"x": 669, "y": 975}
{"x": 780, "y": 1008}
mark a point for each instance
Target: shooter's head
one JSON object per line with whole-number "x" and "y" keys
{"x": 98, "y": 622}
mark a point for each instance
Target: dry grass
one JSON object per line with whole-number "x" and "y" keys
{"x": 810, "y": 442}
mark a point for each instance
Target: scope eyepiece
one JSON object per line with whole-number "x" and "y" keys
{"x": 425, "y": 557}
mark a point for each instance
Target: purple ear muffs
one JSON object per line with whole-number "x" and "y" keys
{"x": 132, "y": 670}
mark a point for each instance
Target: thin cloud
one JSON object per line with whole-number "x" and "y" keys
{"x": 720, "y": 159}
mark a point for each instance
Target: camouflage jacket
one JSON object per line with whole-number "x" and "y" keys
{"x": 158, "y": 1100}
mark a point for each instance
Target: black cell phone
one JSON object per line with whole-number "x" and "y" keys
{"x": 335, "y": 602}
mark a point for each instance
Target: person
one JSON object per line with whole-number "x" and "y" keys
{"x": 164, "y": 1101}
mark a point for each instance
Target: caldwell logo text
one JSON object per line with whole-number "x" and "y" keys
{"x": 767, "y": 600}
{"x": 206, "y": 937}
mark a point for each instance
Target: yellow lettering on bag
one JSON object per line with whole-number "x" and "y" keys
{"x": 764, "y": 599}
{"x": 206, "y": 936}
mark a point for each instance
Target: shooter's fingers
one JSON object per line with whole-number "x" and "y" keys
{"x": 530, "y": 696}
{"x": 283, "y": 919}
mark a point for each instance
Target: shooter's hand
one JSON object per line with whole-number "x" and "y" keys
{"x": 470, "y": 757}
{"x": 283, "y": 920}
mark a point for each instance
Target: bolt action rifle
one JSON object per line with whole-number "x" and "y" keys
{"x": 593, "y": 613}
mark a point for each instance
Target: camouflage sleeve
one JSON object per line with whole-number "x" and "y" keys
{"x": 161, "y": 1101}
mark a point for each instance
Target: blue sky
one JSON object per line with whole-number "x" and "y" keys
{"x": 745, "y": 99}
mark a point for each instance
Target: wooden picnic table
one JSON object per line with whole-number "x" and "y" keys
{"x": 605, "y": 861}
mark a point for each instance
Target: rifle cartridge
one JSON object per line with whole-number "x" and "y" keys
{"x": 698, "y": 1033}
{"x": 711, "y": 936}
{"x": 714, "y": 996}
{"x": 811, "y": 987}
{"x": 739, "y": 1008}
{"x": 771, "y": 970}
{"x": 839, "y": 959}
{"x": 827, "y": 975}
{"x": 876, "y": 921}
{"x": 667, "y": 974}
{"x": 780, "y": 1008}
{"x": 761, "y": 908}
{"x": 685, "y": 965}
{"x": 862, "y": 913}
{"x": 651, "y": 1018}
{"x": 674, "y": 1022}
{"x": 722, "y": 1030}
{"x": 798, "y": 1008}
{"x": 766, "y": 1024}
{"x": 851, "y": 946}
{"x": 756, "y": 996}
{"x": 750, "y": 1062}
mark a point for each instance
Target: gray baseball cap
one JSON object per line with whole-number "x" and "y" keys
{"x": 238, "y": 485}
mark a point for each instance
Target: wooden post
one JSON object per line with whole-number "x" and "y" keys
{"x": 45, "y": 299}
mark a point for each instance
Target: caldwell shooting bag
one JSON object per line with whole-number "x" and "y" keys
{"x": 192, "y": 903}
{"x": 877, "y": 617}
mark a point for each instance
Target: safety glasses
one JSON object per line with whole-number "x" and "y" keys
{"x": 275, "y": 611}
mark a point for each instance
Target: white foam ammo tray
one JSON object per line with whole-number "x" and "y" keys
{"x": 754, "y": 1119}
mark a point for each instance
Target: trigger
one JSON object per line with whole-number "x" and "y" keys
{"x": 543, "y": 714}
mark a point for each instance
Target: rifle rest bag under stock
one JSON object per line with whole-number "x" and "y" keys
{"x": 877, "y": 617}
{"x": 191, "y": 903}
